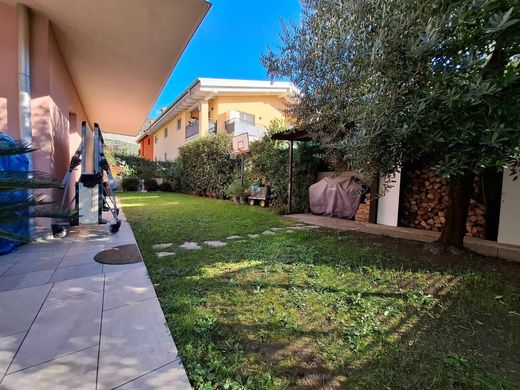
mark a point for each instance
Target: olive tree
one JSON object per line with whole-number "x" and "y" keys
{"x": 388, "y": 82}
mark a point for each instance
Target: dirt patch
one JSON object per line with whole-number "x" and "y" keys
{"x": 297, "y": 361}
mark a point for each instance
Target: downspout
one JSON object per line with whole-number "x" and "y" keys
{"x": 24, "y": 87}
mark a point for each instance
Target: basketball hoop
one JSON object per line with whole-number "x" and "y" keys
{"x": 241, "y": 144}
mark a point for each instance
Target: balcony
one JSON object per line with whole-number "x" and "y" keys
{"x": 193, "y": 129}
{"x": 237, "y": 126}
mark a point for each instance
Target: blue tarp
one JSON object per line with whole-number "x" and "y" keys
{"x": 20, "y": 163}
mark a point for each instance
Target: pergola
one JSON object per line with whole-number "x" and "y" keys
{"x": 291, "y": 135}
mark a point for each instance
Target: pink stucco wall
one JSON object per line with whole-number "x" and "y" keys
{"x": 8, "y": 70}
{"x": 57, "y": 111}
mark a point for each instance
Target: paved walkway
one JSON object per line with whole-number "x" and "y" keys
{"x": 486, "y": 248}
{"x": 67, "y": 322}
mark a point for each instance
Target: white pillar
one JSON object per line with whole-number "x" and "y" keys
{"x": 388, "y": 204}
{"x": 509, "y": 222}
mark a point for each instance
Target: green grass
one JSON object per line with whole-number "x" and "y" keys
{"x": 321, "y": 309}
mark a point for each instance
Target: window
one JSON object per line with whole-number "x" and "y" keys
{"x": 179, "y": 123}
{"x": 156, "y": 138}
{"x": 166, "y": 133}
{"x": 165, "y": 156}
{"x": 148, "y": 141}
{"x": 247, "y": 118}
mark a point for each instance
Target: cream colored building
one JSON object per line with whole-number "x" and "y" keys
{"x": 211, "y": 106}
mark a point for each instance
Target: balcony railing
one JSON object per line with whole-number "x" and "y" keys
{"x": 193, "y": 129}
{"x": 212, "y": 127}
{"x": 238, "y": 126}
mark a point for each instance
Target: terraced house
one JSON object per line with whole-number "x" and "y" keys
{"x": 210, "y": 106}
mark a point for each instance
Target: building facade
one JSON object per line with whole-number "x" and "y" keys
{"x": 211, "y": 106}
{"x": 57, "y": 71}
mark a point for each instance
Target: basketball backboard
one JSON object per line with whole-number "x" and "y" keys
{"x": 241, "y": 143}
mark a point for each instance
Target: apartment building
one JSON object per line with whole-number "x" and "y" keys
{"x": 210, "y": 106}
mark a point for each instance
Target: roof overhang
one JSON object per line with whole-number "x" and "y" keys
{"x": 204, "y": 89}
{"x": 120, "y": 52}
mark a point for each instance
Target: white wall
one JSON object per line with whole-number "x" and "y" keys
{"x": 509, "y": 225}
{"x": 388, "y": 204}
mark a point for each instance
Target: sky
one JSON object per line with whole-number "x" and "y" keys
{"x": 228, "y": 44}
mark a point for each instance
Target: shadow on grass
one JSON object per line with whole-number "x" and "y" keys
{"x": 400, "y": 324}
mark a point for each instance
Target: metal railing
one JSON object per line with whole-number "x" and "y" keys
{"x": 237, "y": 126}
{"x": 212, "y": 127}
{"x": 193, "y": 129}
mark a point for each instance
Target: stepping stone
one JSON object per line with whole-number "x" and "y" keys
{"x": 162, "y": 246}
{"x": 233, "y": 238}
{"x": 190, "y": 245}
{"x": 269, "y": 233}
{"x": 276, "y": 229}
{"x": 215, "y": 244}
{"x": 164, "y": 254}
{"x": 253, "y": 235}
{"x": 289, "y": 231}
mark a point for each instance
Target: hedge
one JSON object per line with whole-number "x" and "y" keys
{"x": 205, "y": 167}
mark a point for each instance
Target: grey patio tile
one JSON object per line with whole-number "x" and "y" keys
{"x": 68, "y": 288}
{"x": 134, "y": 341}
{"x": 8, "y": 347}
{"x": 171, "y": 376}
{"x": 4, "y": 267}
{"x": 78, "y": 259}
{"x": 63, "y": 326}
{"x": 125, "y": 287}
{"x": 29, "y": 279}
{"x": 121, "y": 267}
{"x": 73, "y": 371}
{"x": 85, "y": 247}
{"x": 19, "y": 307}
{"x": 43, "y": 249}
{"x": 77, "y": 271}
{"x": 33, "y": 265}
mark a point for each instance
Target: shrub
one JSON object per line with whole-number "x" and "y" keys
{"x": 235, "y": 190}
{"x": 165, "y": 187}
{"x": 268, "y": 164}
{"x": 130, "y": 184}
{"x": 150, "y": 185}
{"x": 205, "y": 167}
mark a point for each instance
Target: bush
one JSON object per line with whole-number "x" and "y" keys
{"x": 235, "y": 190}
{"x": 268, "y": 164}
{"x": 165, "y": 187}
{"x": 150, "y": 185}
{"x": 130, "y": 184}
{"x": 204, "y": 166}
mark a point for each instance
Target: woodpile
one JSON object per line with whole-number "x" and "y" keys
{"x": 425, "y": 200}
{"x": 363, "y": 210}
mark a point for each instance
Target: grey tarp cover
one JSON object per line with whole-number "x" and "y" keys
{"x": 335, "y": 197}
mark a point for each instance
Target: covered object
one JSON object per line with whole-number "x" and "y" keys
{"x": 335, "y": 197}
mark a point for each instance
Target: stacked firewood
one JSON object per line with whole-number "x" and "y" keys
{"x": 425, "y": 200}
{"x": 363, "y": 210}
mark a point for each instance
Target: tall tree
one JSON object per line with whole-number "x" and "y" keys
{"x": 387, "y": 82}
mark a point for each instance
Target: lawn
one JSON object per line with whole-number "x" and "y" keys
{"x": 323, "y": 309}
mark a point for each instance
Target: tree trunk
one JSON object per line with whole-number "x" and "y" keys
{"x": 460, "y": 191}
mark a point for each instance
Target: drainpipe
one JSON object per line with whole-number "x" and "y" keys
{"x": 24, "y": 86}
